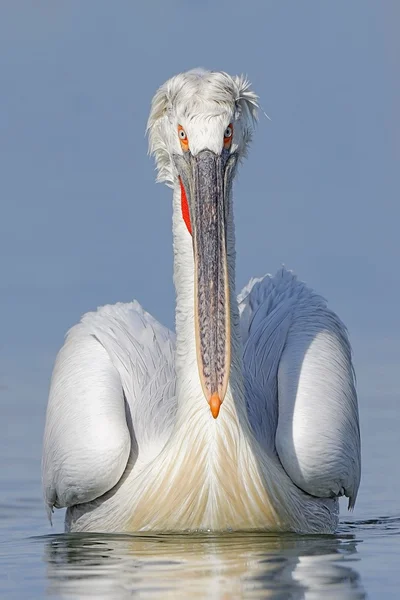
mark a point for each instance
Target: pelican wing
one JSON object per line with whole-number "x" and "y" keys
{"x": 112, "y": 397}
{"x": 300, "y": 384}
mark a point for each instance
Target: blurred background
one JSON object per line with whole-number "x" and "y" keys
{"x": 84, "y": 224}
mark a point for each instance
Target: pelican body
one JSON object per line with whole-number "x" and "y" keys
{"x": 246, "y": 418}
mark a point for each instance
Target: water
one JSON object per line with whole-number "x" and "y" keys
{"x": 361, "y": 561}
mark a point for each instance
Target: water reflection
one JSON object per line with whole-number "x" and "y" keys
{"x": 203, "y": 566}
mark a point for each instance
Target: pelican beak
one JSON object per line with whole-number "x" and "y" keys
{"x": 207, "y": 180}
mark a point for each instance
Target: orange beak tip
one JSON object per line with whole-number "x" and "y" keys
{"x": 215, "y": 405}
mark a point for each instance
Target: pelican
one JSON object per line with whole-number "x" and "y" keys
{"x": 246, "y": 418}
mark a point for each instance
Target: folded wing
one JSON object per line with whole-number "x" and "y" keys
{"x": 111, "y": 399}
{"x": 300, "y": 384}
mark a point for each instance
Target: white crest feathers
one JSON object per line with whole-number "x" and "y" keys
{"x": 198, "y": 94}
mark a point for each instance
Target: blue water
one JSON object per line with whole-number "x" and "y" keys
{"x": 361, "y": 561}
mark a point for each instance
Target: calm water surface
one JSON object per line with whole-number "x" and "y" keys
{"x": 361, "y": 561}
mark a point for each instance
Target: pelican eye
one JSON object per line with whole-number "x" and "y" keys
{"x": 183, "y": 138}
{"x": 228, "y": 136}
{"x": 228, "y": 132}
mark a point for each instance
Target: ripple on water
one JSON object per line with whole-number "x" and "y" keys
{"x": 203, "y": 565}
{"x": 381, "y": 526}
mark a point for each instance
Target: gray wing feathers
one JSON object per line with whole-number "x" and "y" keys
{"x": 317, "y": 438}
{"x": 86, "y": 440}
{"x": 300, "y": 384}
{"x": 112, "y": 396}
{"x": 142, "y": 351}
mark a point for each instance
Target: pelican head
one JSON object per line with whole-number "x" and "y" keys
{"x": 199, "y": 127}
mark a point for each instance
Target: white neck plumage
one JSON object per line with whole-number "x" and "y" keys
{"x": 212, "y": 474}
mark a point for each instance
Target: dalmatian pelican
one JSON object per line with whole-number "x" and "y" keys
{"x": 246, "y": 418}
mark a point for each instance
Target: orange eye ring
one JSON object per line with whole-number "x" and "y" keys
{"x": 183, "y": 139}
{"x": 228, "y": 135}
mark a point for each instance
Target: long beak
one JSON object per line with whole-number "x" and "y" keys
{"x": 206, "y": 178}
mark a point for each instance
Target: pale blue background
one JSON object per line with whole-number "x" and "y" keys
{"x": 82, "y": 222}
